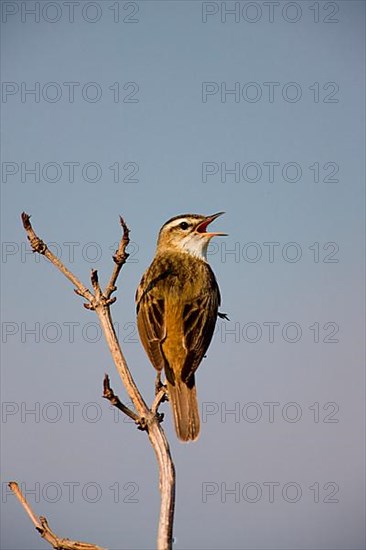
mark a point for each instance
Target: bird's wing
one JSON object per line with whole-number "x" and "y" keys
{"x": 199, "y": 319}
{"x": 150, "y": 308}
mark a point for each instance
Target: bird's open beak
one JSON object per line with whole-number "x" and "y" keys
{"x": 201, "y": 227}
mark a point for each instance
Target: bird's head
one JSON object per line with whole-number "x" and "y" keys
{"x": 187, "y": 233}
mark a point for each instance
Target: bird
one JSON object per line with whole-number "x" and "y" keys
{"x": 177, "y": 304}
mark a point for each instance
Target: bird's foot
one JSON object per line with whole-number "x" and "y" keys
{"x": 160, "y": 386}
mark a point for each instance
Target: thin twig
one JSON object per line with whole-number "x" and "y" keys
{"x": 44, "y": 529}
{"x": 96, "y": 286}
{"x": 119, "y": 258}
{"x": 160, "y": 397}
{"x": 39, "y": 246}
{"x": 17, "y": 492}
{"x": 114, "y": 400}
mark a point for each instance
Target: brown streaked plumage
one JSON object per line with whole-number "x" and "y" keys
{"x": 177, "y": 306}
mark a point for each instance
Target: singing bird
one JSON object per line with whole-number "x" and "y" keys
{"x": 177, "y": 305}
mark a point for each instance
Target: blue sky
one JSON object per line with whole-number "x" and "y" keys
{"x": 150, "y": 109}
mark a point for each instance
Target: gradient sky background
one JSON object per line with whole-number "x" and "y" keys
{"x": 168, "y": 52}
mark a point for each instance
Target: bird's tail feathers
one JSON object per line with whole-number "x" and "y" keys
{"x": 183, "y": 399}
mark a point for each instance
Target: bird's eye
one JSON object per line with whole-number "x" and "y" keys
{"x": 184, "y": 225}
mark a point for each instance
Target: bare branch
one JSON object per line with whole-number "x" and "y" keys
{"x": 95, "y": 283}
{"x": 148, "y": 419}
{"x": 104, "y": 314}
{"x": 15, "y": 488}
{"x": 39, "y": 246}
{"x": 119, "y": 259}
{"x": 160, "y": 397}
{"x": 43, "y": 528}
{"x": 114, "y": 400}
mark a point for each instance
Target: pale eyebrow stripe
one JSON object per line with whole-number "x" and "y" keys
{"x": 180, "y": 221}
